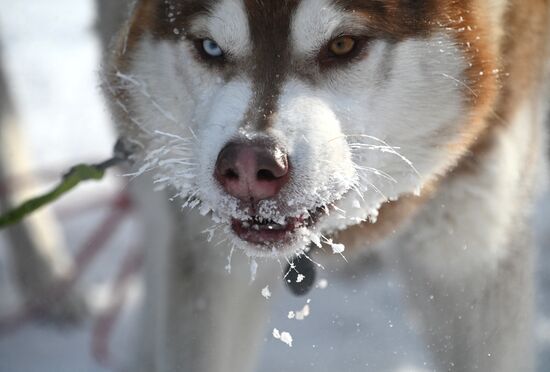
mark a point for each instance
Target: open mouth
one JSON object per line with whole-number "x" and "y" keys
{"x": 260, "y": 231}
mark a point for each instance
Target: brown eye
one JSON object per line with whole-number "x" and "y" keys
{"x": 342, "y": 46}
{"x": 343, "y": 50}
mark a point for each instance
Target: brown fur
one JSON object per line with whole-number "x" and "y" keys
{"x": 523, "y": 50}
{"x": 394, "y": 19}
{"x": 503, "y": 68}
{"x": 391, "y": 216}
{"x": 504, "y": 72}
{"x": 270, "y": 30}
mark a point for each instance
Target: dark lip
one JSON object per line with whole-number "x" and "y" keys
{"x": 270, "y": 233}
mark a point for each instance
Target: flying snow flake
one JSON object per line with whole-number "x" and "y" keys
{"x": 284, "y": 337}
{"x": 300, "y": 314}
{"x": 266, "y": 292}
{"x": 300, "y": 278}
{"x": 229, "y": 259}
{"x": 338, "y": 248}
{"x": 253, "y": 270}
{"x": 315, "y": 239}
{"x": 323, "y": 284}
{"x": 304, "y": 313}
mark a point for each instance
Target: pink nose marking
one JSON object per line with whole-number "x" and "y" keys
{"x": 252, "y": 171}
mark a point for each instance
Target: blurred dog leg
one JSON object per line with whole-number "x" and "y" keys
{"x": 39, "y": 257}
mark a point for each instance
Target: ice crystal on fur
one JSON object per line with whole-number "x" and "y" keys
{"x": 172, "y": 160}
{"x": 172, "y": 153}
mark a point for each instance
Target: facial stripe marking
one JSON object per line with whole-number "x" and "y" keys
{"x": 269, "y": 23}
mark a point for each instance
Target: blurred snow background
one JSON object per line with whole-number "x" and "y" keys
{"x": 357, "y": 323}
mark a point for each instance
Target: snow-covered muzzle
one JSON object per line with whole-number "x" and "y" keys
{"x": 184, "y": 159}
{"x": 355, "y": 136}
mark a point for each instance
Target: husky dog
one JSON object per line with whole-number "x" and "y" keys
{"x": 412, "y": 126}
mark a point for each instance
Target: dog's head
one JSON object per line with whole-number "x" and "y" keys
{"x": 291, "y": 118}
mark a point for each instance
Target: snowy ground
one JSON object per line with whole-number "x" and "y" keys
{"x": 358, "y": 323}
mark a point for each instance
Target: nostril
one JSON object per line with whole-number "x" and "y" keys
{"x": 265, "y": 175}
{"x": 254, "y": 170}
{"x": 231, "y": 174}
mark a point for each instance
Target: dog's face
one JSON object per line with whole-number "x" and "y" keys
{"x": 289, "y": 119}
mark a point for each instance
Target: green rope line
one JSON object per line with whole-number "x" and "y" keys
{"x": 73, "y": 178}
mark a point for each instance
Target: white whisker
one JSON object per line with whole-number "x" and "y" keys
{"x": 376, "y": 172}
{"x": 464, "y": 84}
{"x": 303, "y": 253}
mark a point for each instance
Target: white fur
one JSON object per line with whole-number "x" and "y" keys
{"x": 361, "y": 134}
{"x": 227, "y": 24}
{"x": 479, "y": 237}
{"x": 315, "y": 22}
{"x": 347, "y": 136}
{"x": 367, "y": 109}
{"x": 469, "y": 275}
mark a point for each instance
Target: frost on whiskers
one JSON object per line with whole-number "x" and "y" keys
{"x": 171, "y": 156}
{"x": 170, "y": 160}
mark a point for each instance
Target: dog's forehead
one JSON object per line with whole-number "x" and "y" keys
{"x": 267, "y": 37}
{"x": 270, "y": 23}
{"x": 245, "y": 27}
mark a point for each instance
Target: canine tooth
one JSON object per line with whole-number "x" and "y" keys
{"x": 246, "y": 225}
{"x": 256, "y": 227}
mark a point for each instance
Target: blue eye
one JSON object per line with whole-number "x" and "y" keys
{"x": 211, "y": 48}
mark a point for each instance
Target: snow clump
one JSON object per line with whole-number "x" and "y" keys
{"x": 284, "y": 337}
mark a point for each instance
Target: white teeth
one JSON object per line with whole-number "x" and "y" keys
{"x": 262, "y": 223}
